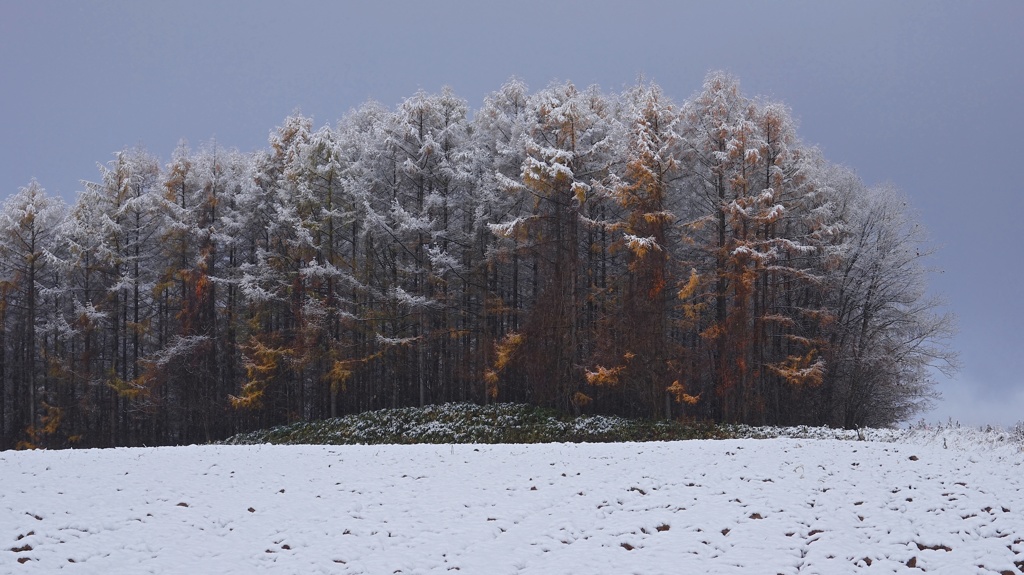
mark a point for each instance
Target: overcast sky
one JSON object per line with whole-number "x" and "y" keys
{"x": 925, "y": 95}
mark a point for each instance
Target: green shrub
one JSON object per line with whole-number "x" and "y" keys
{"x": 469, "y": 423}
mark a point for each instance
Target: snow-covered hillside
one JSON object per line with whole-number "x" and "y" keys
{"x": 941, "y": 502}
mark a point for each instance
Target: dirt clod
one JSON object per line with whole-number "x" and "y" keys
{"x": 922, "y": 547}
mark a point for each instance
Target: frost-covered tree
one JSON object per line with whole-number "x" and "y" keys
{"x": 635, "y": 341}
{"x": 887, "y": 333}
{"x": 759, "y": 225}
{"x": 110, "y": 240}
{"x": 715, "y": 162}
{"x": 501, "y": 201}
{"x": 327, "y": 214}
{"x": 29, "y": 409}
{"x": 566, "y": 248}
{"x": 367, "y": 176}
{"x": 568, "y": 148}
{"x": 429, "y": 137}
{"x": 194, "y": 363}
{"x": 275, "y": 245}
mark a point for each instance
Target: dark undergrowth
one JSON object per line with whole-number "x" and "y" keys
{"x": 469, "y": 423}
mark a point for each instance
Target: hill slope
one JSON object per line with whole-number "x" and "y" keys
{"x": 939, "y": 501}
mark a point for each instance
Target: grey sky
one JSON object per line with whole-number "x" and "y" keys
{"x": 926, "y": 95}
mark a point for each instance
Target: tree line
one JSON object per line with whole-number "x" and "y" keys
{"x": 593, "y": 252}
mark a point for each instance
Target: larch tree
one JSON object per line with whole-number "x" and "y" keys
{"x": 501, "y": 202}
{"x": 565, "y": 248}
{"x": 430, "y": 136}
{"x": 28, "y": 223}
{"x": 196, "y": 359}
{"x": 367, "y": 173}
{"x": 276, "y": 244}
{"x": 720, "y": 154}
{"x": 109, "y": 238}
{"x": 786, "y": 221}
{"x": 327, "y": 213}
{"x": 568, "y": 159}
{"x": 636, "y": 334}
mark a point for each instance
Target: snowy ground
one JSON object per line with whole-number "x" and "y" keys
{"x": 935, "y": 503}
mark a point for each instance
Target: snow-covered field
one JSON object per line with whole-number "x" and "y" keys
{"x": 942, "y": 502}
